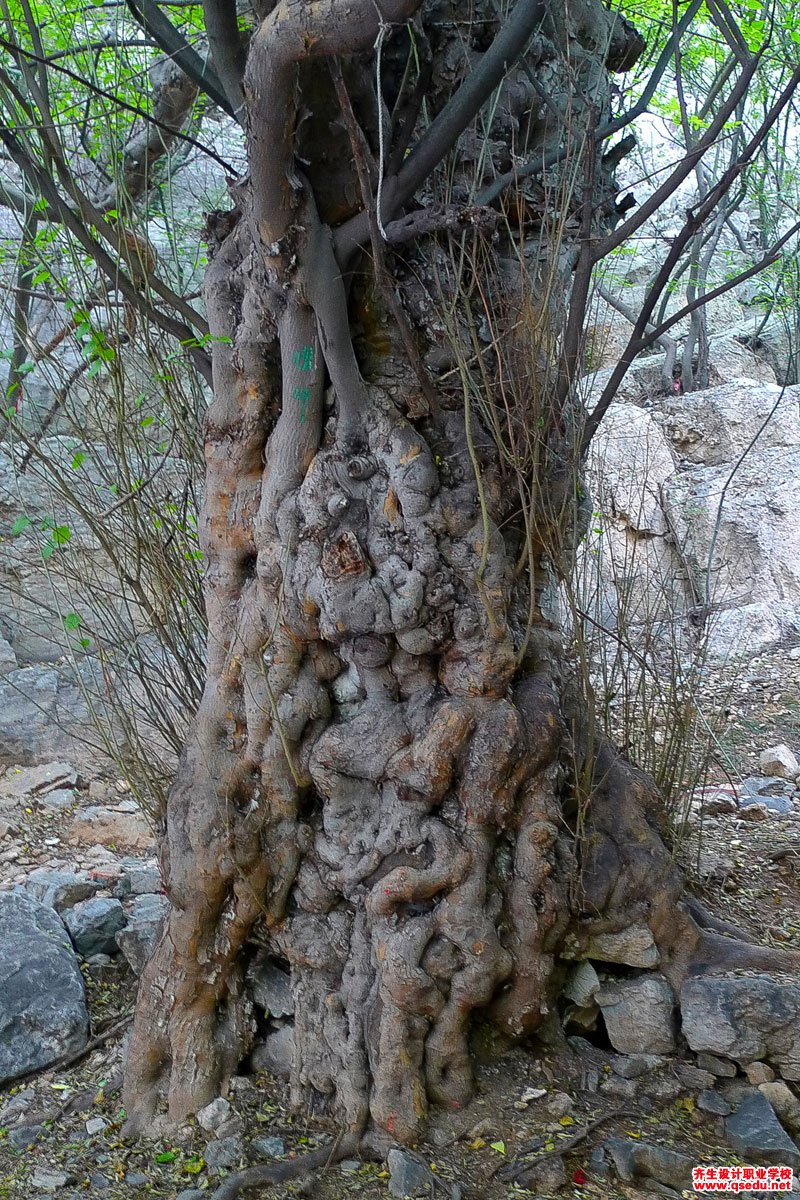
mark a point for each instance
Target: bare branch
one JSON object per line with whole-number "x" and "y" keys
{"x": 148, "y": 14}
{"x": 227, "y": 52}
{"x": 447, "y": 127}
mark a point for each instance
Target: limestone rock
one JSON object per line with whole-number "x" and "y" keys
{"x": 785, "y": 1104}
{"x": 42, "y": 1003}
{"x": 756, "y": 1134}
{"x": 274, "y": 1055}
{"x": 214, "y": 1114}
{"x": 271, "y": 987}
{"x": 58, "y": 889}
{"x": 94, "y": 924}
{"x": 746, "y": 1018}
{"x": 632, "y": 947}
{"x": 641, "y": 1159}
{"x": 145, "y": 918}
{"x": 125, "y": 830}
{"x": 779, "y": 761}
{"x": 409, "y": 1175}
{"x": 639, "y": 1015}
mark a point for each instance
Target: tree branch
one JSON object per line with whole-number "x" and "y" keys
{"x": 44, "y": 185}
{"x": 148, "y": 14}
{"x": 227, "y": 52}
{"x": 445, "y": 130}
{"x": 606, "y": 130}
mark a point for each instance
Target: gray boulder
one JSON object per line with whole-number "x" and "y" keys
{"x": 744, "y": 1018}
{"x": 42, "y": 1002}
{"x": 639, "y": 1015}
{"x": 58, "y": 889}
{"x": 641, "y": 1159}
{"x": 94, "y": 924}
{"x": 409, "y": 1175}
{"x": 145, "y": 919}
{"x": 274, "y": 1055}
{"x": 271, "y": 987}
{"x": 756, "y": 1134}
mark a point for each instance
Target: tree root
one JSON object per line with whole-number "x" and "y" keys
{"x": 509, "y": 1172}
{"x": 268, "y": 1175}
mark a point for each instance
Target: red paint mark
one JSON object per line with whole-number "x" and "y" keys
{"x": 390, "y": 1123}
{"x": 580, "y": 1177}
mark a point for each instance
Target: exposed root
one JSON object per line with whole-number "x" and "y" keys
{"x": 270, "y": 1174}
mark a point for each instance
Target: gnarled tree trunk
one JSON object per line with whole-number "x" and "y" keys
{"x": 391, "y": 778}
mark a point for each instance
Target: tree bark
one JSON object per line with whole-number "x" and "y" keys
{"x": 392, "y": 779}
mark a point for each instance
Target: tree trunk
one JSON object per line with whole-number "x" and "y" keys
{"x": 393, "y": 781}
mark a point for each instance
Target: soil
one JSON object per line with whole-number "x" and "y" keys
{"x": 745, "y": 871}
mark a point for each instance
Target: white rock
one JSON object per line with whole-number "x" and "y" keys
{"x": 214, "y": 1114}
{"x": 779, "y": 761}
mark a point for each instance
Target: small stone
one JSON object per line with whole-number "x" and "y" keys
{"x": 22, "y": 1136}
{"x": 274, "y": 1055}
{"x": 599, "y": 1163}
{"x": 98, "y": 824}
{"x": 756, "y": 1134}
{"x": 136, "y": 1179}
{"x": 16, "y": 1105}
{"x": 59, "y": 798}
{"x": 408, "y": 1175}
{"x": 633, "y": 947}
{"x": 94, "y": 924}
{"x": 269, "y": 1147}
{"x": 58, "y": 889}
{"x": 622, "y": 1089}
{"x": 720, "y": 1067}
{"x": 755, "y": 810}
{"x": 192, "y": 1194}
{"x": 34, "y": 781}
{"x": 271, "y": 987}
{"x": 642, "y": 1159}
{"x": 546, "y": 1177}
{"x": 104, "y": 969}
{"x": 531, "y": 1094}
{"x": 350, "y": 1166}
{"x": 582, "y": 983}
{"x": 559, "y": 1104}
{"x": 759, "y": 1072}
{"x": 224, "y": 1153}
{"x": 632, "y": 1066}
{"x": 639, "y": 1015}
{"x": 139, "y": 937}
{"x": 48, "y": 1181}
{"x": 693, "y": 1077}
{"x": 780, "y": 761}
{"x": 785, "y": 1104}
{"x": 99, "y": 1182}
{"x": 95, "y": 1125}
{"x": 711, "y": 1102}
{"x": 214, "y": 1114}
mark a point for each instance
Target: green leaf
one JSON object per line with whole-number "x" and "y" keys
{"x": 78, "y": 460}
{"x": 61, "y": 534}
{"x": 72, "y": 621}
{"x": 20, "y": 525}
{"x": 500, "y": 1147}
{"x": 166, "y": 1156}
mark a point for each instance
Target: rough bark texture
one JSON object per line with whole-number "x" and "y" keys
{"x": 390, "y": 781}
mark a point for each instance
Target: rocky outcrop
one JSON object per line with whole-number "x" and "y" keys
{"x": 695, "y": 517}
{"x": 744, "y": 1018}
